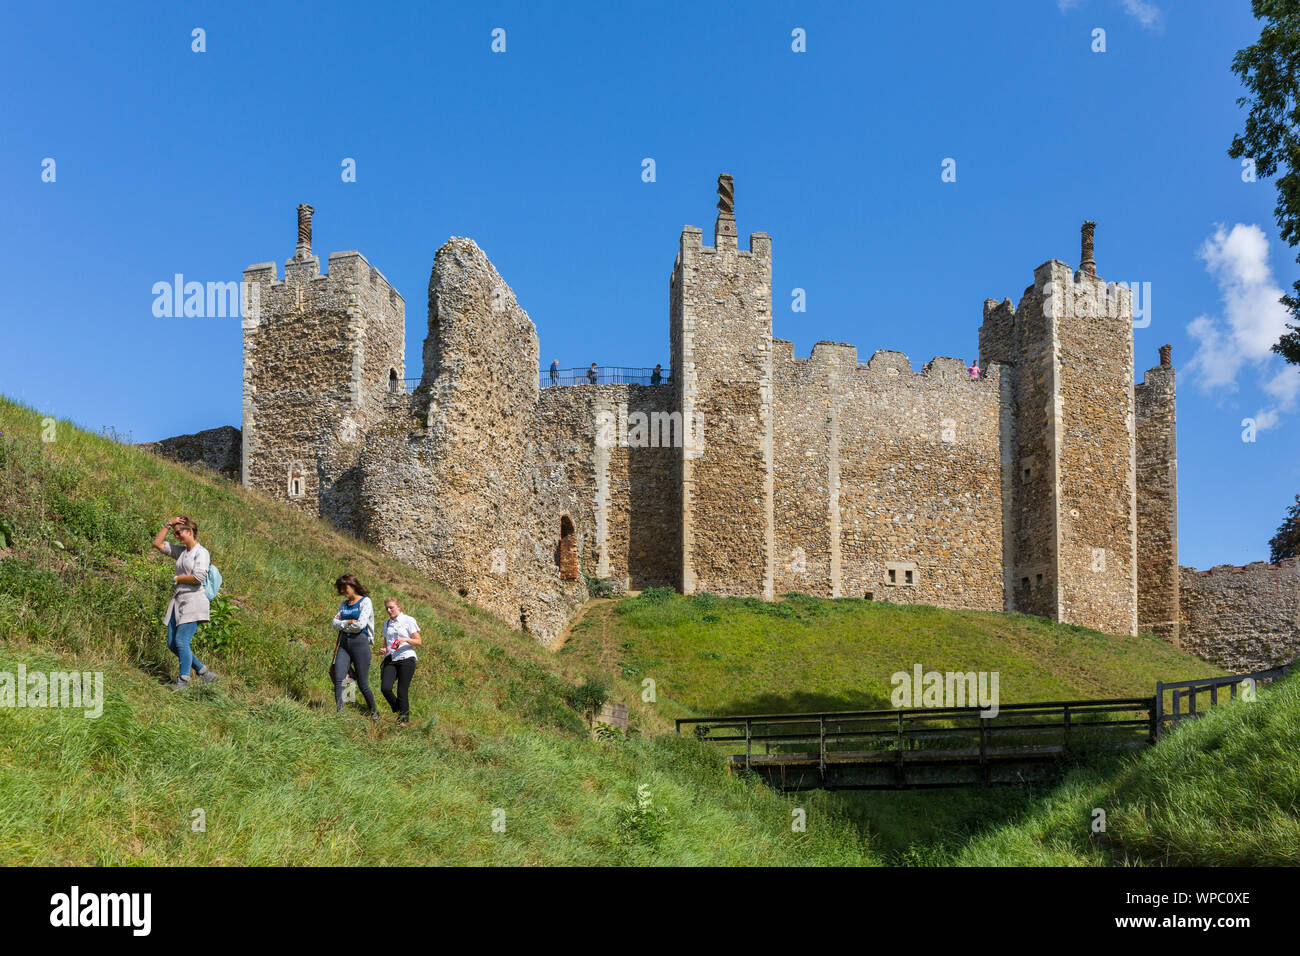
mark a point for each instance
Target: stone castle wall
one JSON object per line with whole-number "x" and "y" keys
{"x": 215, "y": 448}
{"x": 318, "y": 353}
{"x": 1242, "y": 618}
{"x": 880, "y": 469}
{"x": 1096, "y": 506}
{"x": 720, "y": 315}
{"x": 469, "y": 496}
{"x": 1047, "y": 485}
{"x": 617, "y": 446}
{"x": 1157, "y": 503}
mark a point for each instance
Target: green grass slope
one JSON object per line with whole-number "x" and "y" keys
{"x": 280, "y": 779}
{"x": 715, "y": 655}
{"x": 1223, "y": 790}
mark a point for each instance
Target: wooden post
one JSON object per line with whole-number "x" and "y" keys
{"x": 984, "y": 766}
{"x": 821, "y": 740}
{"x": 902, "y": 771}
{"x": 1156, "y": 711}
{"x": 749, "y": 732}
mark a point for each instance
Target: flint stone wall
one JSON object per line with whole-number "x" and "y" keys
{"x": 1242, "y": 618}
{"x": 215, "y": 448}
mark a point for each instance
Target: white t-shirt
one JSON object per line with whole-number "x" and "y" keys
{"x": 396, "y": 628}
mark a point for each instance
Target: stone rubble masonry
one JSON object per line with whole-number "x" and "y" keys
{"x": 320, "y": 355}
{"x": 215, "y": 448}
{"x": 720, "y": 307}
{"x": 1157, "y": 500}
{"x": 468, "y": 494}
{"x": 1046, "y": 485}
{"x": 1242, "y": 618}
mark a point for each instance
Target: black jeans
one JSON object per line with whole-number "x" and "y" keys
{"x": 354, "y": 651}
{"x": 402, "y": 672}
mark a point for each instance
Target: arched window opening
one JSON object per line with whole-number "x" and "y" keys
{"x": 392, "y": 380}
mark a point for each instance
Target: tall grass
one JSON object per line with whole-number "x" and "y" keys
{"x": 279, "y": 778}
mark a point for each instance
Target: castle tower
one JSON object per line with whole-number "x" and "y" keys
{"x": 321, "y": 352}
{"x": 1157, "y": 500}
{"x": 721, "y": 330}
{"x": 1071, "y": 549}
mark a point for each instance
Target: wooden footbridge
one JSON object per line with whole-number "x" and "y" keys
{"x": 955, "y": 746}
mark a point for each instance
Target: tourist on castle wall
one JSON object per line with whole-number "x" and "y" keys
{"x": 401, "y": 638}
{"x": 189, "y": 604}
{"x": 592, "y": 374}
{"x": 355, "y": 623}
{"x": 657, "y": 375}
{"x": 555, "y": 372}
{"x": 974, "y": 369}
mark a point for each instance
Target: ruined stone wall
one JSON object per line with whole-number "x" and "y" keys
{"x": 215, "y": 448}
{"x": 721, "y": 333}
{"x": 1242, "y": 618}
{"x": 318, "y": 351}
{"x": 1157, "y": 504}
{"x": 470, "y": 497}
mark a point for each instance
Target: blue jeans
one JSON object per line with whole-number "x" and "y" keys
{"x": 178, "y": 642}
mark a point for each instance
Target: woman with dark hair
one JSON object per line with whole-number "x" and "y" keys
{"x": 189, "y": 603}
{"x": 355, "y": 623}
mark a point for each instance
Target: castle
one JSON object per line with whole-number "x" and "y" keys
{"x": 1045, "y": 484}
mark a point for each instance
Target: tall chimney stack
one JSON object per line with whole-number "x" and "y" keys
{"x": 1087, "y": 263}
{"x": 304, "y": 232}
{"x": 1166, "y": 356}
{"x": 726, "y": 221}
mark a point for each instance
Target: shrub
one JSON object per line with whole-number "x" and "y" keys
{"x": 587, "y": 698}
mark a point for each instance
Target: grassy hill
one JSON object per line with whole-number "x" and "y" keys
{"x": 715, "y": 655}
{"x": 282, "y": 780}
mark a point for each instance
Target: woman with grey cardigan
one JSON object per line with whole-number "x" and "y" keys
{"x": 189, "y": 604}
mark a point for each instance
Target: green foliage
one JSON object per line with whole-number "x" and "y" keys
{"x": 219, "y": 632}
{"x": 1271, "y": 136}
{"x": 1286, "y": 543}
{"x": 588, "y": 697}
{"x": 641, "y": 823}
{"x": 599, "y": 587}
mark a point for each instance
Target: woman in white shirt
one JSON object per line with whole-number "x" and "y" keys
{"x": 355, "y": 623}
{"x": 401, "y": 638}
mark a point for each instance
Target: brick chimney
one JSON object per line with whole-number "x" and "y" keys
{"x": 726, "y": 222}
{"x": 304, "y": 232}
{"x": 1086, "y": 262}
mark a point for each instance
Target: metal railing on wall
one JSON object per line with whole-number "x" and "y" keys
{"x": 602, "y": 375}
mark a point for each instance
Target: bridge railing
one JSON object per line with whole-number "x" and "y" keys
{"x": 1175, "y": 701}
{"x": 840, "y": 734}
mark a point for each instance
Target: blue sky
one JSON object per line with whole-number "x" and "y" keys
{"x": 170, "y": 161}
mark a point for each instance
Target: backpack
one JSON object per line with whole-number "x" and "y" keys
{"x": 212, "y": 583}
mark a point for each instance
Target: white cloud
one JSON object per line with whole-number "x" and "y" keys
{"x": 1147, "y": 14}
{"x": 1065, "y": 6}
{"x": 1253, "y": 320}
